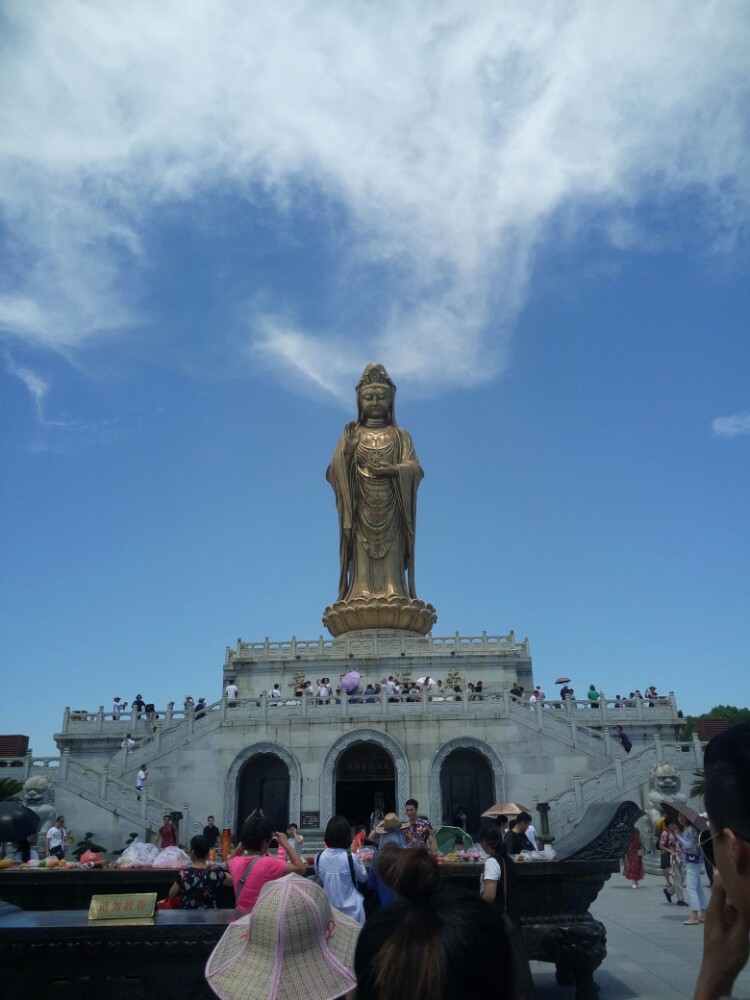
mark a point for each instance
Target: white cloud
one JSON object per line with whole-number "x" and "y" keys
{"x": 38, "y": 387}
{"x": 731, "y": 426}
{"x": 452, "y": 136}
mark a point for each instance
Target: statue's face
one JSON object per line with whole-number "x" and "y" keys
{"x": 376, "y": 402}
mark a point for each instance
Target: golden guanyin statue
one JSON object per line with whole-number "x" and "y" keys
{"x": 375, "y": 474}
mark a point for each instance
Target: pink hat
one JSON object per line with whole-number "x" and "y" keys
{"x": 284, "y": 948}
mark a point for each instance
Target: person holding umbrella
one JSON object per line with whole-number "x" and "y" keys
{"x": 350, "y": 682}
{"x": 690, "y": 825}
{"x": 17, "y": 824}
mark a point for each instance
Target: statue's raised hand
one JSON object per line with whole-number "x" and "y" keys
{"x": 351, "y": 437}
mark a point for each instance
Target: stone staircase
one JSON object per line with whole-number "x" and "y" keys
{"x": 625, "y": 775}
{"x": 145, "y": 811}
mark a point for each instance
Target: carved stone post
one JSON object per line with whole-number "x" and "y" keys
{"x": 543, "y": 809}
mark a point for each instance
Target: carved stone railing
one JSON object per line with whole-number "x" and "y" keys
{"x": 347, "y": 645}
{"x": 116, "y": 795}
{"x": 626, "y": 773}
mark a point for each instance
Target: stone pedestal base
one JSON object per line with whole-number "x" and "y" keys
{"x": 410, "y": 615}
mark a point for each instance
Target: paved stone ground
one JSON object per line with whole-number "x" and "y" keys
{"x": 651, "y": 955}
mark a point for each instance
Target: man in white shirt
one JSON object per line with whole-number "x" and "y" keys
{"x": 55, "y": 839}
{"x": 231, "y": 692}
{"x": 274, "y": 696}
{"x": 128, "y": 744}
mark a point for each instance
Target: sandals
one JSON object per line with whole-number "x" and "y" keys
{"x": 692, "y": 922}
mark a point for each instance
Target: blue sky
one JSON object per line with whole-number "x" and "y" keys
{"x": 536, "y": 216}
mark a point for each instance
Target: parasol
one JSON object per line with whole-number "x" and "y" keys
{"x": 17, "y": 821}
{"x": 506, "y": 809}
{"x": 425, "y": 680}
{"x": 350, "y": 682}
{"x": 672, "y": 809}
{"x": 446, "y": 837}
{"x": 563, "y": 680}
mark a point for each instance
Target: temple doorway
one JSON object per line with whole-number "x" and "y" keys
{"x": 364, "y": 772}
{"x": 466, "y": 780}
{"x": 264, "y": 784}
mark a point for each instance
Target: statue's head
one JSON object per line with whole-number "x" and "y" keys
{"x": 376, "y": 384}
{"x": 665, "y": 778}
{"x": 38, "y": 789}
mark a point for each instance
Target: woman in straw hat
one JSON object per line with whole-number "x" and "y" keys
{"x": 292, "y": 945}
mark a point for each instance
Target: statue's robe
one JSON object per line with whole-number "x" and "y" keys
{"x": 388, "y": 553}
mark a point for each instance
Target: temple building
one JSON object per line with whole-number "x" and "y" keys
{"x": 304, "y": 758}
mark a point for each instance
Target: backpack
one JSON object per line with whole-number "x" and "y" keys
{"x": 318, "y": 879}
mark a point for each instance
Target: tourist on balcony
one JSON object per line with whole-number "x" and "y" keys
{"x": 231, "y": 694}
{"x": 593, "y": 696}
{"x": 137, "y": 707}
{"x": 340, "y": 871}
{"x": 274, "y": 695}
{"x": 200, "y": 708}
{"x": 117, "y": 707}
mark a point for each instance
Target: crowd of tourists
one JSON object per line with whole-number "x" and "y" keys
{"x": 419, "y": 937}
{"x": 311, "y": 936}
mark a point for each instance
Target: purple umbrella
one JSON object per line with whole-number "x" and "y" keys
{"x": 350, "y": 682}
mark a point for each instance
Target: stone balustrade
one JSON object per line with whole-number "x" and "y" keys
{"x": 349, "y": 645}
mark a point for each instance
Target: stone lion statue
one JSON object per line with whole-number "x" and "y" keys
{"x": 664, "y": 784}
{"x": 39, "y": 795}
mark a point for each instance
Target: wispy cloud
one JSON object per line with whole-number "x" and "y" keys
{"x": 732, "y": 426}
{"x": 456, "y": 140}
{"x": 37, "y": 385}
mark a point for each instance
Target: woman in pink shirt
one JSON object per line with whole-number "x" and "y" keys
{"x": 251, "y": 866}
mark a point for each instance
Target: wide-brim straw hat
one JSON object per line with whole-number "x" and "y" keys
{"x": 390, "y": 823}
{"x": 279, "y": 951}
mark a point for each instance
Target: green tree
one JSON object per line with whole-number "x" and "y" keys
{"x": 10, "y": 789}
{"x": 731, "y": 713}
